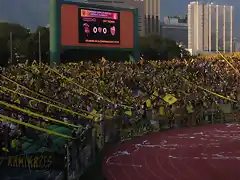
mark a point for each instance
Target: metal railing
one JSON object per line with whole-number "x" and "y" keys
{"x": 81, "y": 153}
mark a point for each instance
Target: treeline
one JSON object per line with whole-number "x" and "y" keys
{"x": 25, "y": 45}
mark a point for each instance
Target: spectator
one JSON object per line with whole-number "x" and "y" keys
{"x": 107, "y": 87}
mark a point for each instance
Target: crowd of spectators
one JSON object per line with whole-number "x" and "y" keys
{"x": 121, "y": 93}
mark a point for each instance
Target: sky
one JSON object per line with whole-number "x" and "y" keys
{"x": 32, "y": 13}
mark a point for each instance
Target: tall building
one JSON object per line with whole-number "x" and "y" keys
{"x": 209, "y": 27}
{"x": 152, "y": 16}
{"x": 148, "y": 10}
{"x": 126, "y": 4}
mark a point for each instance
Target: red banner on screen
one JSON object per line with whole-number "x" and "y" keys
{"x": 99, "y": 14}
{"x": 70, "y": 27}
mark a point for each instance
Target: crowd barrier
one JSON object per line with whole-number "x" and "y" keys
{"x": 117, "y": 130}
{"x": 224, "y": 113}
{"x": 82, "y": 151}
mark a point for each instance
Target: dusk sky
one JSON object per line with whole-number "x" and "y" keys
{"x": 32, "y": 13}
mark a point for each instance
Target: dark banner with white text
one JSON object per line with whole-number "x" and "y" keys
{"x": 35, "y": 161}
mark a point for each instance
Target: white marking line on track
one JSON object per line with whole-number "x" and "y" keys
{"x": 160, "y": 165}
{"x": 177, "y": 169}
{"x": 145, "y": 161}
{"x": 125, "y": 165}
{"x": 126, "y": 174}
{"x": 138, "y": 146}
{"x": 111, "y": 174}
{"x": 194, "y": 171}
{"x": 136, "y": 169}
{"x": 116, "y": 154}
{"x": 123, "y": 170}
{"x": 200, "y": 133}
{"x": 165, "y": 171}
{"x": 232, "y": 124}
{"x": 190, "y": 170}
{"x": 205, "y": 152}
{"x": 206, "y": 158}
{"x": 213, "y": 137}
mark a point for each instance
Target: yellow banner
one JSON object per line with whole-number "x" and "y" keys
{"x": 211, "y": 92}
{"x": 37, "y": 115}
{"x": 81, "y": 87}
{"x": 229, "y": 63}
{"x": 41, "y": 101}
{"x": 5, "y": 118}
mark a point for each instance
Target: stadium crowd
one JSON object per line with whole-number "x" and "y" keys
{"x": 121, "y": 93}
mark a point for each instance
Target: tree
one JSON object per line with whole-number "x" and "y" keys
{"x": 17, "y": 30}
{"x": 25, "y": 45}
{"x": 155, "y": 47}
{"x": 19, "y": 36}
{"x": 4, "y": 52}
{"x": 33, "y": 44}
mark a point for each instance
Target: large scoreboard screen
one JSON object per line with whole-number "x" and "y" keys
{"x": 99, "y": 26}
{"x": 96, "y": 27}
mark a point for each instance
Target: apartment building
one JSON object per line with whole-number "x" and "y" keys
{"x": 210, "y": 27}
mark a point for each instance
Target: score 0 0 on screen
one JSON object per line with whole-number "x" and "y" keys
{"x": 99, "y": 26}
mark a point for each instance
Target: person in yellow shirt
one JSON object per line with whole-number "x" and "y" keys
{"x": 3, "y": 148}
{"x": 14, "y": 144}
{"x": 190, "y": 112}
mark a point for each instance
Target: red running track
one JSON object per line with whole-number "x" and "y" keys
{"x": 209, "y": 152}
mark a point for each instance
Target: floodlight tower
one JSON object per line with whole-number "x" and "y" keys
{"x": 54, "y": 33}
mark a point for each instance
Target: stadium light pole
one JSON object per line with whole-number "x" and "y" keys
{"x": 11, "y": 48}
{"x": 55, "y": 43}
{"x": 39, "y": 47}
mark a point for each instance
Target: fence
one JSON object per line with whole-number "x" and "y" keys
{"x": 223, "y": 113}
{"x": 121, "y": 129}
{"x": 81, "y": 152}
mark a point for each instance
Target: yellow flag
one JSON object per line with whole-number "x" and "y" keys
{"x": 5, "y": 149}
{"x": 34, "y": 62}
{"x": 17, "y": 101}
{"x": 155, "y": 95}
{"x": 161, "y": 111}
{"x": 190, "y": 108}
{"x": 129, "y": 113}
{"x": 63, "y": 84}
{"x": 152, "y": 63}
{"x": 149, "y": 103}
{"x": 69, "y": 80}
{"x": 170, "y": 99}
{"x": 14, "y": 143}
{"x": 103, "y": 60}
{"x": 30, "y": 103}
{"x": 94, "y": 111}
{"x": 93, "y": 115}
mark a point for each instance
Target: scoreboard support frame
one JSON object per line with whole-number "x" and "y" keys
{"x": 55, "y": 31}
